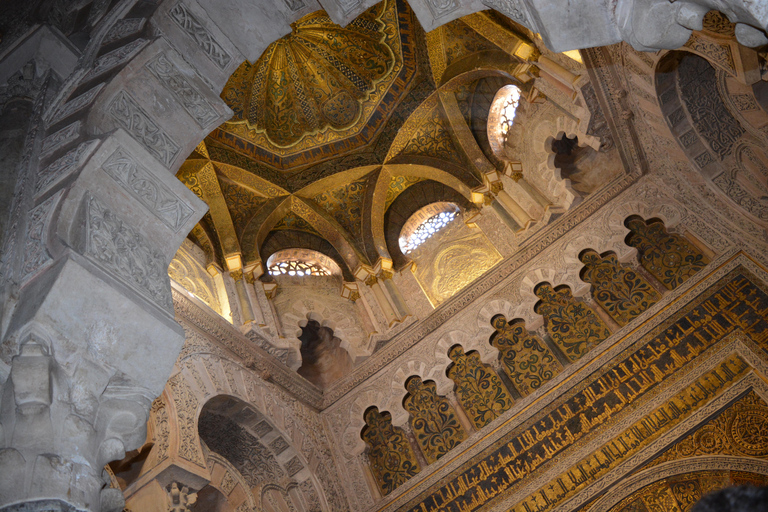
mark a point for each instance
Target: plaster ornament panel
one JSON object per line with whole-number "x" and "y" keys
{"x": 745, "y": 183}
{"x": 390, "y": 454}
{"x": 616, "y": 288}
{"x": 453, "y": 259}
{"x": 479, "y": 390}
{"x": 61, "y": 138}
{"x": 122, "y": 250}
{"x": 573, "y": 326}
{"x": 63, "y": 167}
{"x": 147, "y": 189}
{"x": 123, "y": 29}
{"x": 433, "y": 420}
{"x": 525, "y": 357}
{"x": 115, "y": 58}
{"x": 187, "y": 268}
{"x": 186, "y": 410}
{"x": 190, "y": 98}
{"x": 669, "y": 257}
{"x": 36, "y": 255}
{"x": 132, "y": 118}
{"x": 76, "y": 104}
{"x": 159, "y": 419}
{"x": 188, "y": 22}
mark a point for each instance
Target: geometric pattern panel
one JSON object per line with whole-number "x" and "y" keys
{"x": 479, "y": 390}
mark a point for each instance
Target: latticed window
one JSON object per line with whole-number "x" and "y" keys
{"x": 428, "y": 228}
{"x": 508, "y": 109}
{"x": 297, "y": 268}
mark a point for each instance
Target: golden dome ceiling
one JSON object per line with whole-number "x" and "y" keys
{"x": 340, "y": 134}
{"x": 322, "y": 88}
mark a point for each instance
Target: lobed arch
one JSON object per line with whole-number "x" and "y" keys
{"x": 207, "y": 380}
{"x": 488, "y": 354}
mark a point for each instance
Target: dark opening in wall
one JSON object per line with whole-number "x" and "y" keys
{"x": 323, "y": 359}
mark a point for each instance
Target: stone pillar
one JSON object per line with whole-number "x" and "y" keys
{"x": 454, "y": 401}
{"x": 396, "y": 298}
{"x": 381, "y": 298}
{"x": 258, "y": 314}
{"x": 242, "y": 296}
{"x": 406, "y": 428}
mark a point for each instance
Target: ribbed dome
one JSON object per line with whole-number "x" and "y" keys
{"x": 315, "y": 78}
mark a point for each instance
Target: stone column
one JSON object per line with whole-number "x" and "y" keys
{"x": 384, "y": 304}
{"x": 394, "y": 294}
{"x": 408, "y": 431}
{"x": 505, "y": 217}
{"x": 258, "y": 314}
{"x": 242, "y": 296}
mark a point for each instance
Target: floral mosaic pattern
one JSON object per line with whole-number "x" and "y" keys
{"x": 478, "y": 388}
{"x": 525, "y": 357}
{"x": 670, "y": 258}
{"x": 618, "y": 289}
{"x": 391, "y": 456}
{"x": 433, "y": 420}
{"x": 573, "y": 326}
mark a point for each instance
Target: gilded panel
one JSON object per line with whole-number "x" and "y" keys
{"x": 618, "y": 289}
{"x": 452, "y": 260}
{"x": 573, "y": 326}
{"x": 669, "y": 257}
{"x": 740, "y": 430}
{"x": 479, "y": 390}
{"x": 433, "y": 139}
{"x": 526, "y": 358}
{"x": 345, "y": 204}
{"x": 433, "y": 419}
{"x": 604, "y": 398}
{"x": 390, "y": 454}
{"x": 681, "y": 492}
{"x": 293, "y": 221}
{"x": 397, "y": 185}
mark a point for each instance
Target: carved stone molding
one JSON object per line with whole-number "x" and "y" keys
{"x": 189, "y": 23}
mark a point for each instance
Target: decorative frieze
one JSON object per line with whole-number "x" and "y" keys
{"x": 35, "y": 253}
{"x": 123, "y": 29}
{"x": 63, "y": 167}
{"x": 131, "y": 117}
{"x": 147, "y": 189}
{"x": 185, "y": 93}
{"x": 181, "y": 15}
{"x": 76, "y": 104}
{"x": 115, "y": 58}
{"x": 61, "y": 138}
{"x": 123, "y": 251}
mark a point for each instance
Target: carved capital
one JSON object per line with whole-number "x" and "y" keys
{"x": 371, "y": 280}
{"x": 237, "y": 275}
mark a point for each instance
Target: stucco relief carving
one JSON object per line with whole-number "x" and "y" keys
{"x": 36, "y": 254}
{"x": 62, "y": 167}
{"x": 147, "y": 189}
{"x": 187, "y": 94}
{"x": 189, "y": 23}
{"x": 131, "y": 117}
{"x": 76, "y": 104}
{"x": 122, "y": 250}
{"x": 115, "y": 58}
{"x": 61, "y": 138}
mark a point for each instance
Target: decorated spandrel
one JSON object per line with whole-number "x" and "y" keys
{"x": 573, "y": 326}
{"x": 479, "y": 390}
{"x": 527, "y": 360}
{"x": 669, "y": 257}
{"x": 391, "y": 456}
{"x": 618, "y": 289}
{"x": 434, "y": 421}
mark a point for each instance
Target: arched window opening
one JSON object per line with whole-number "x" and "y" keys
{"x": 425, "y": 223}
{"x": 502, "y": 116}
{"x": 301, "y": 263}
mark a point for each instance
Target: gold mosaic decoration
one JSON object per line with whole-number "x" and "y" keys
{"x": 573, "y": 326}
{"x": 740, "y": 430}
{"x": 618, "y": 289}
{"x": 680, "y": 492}
{"x": 345, "y": 204}
{"x": 479, "y": 390}
{"x": 433, "y": 420}
{"x": 397, "y": 185}
{"x": 433, "y": 139}
{"x": 391, "y": 456}
{"x": 525, "y": 357}
{"x": 321, "y": 83}
{"x": 293, "y": 221}
{"x": 669, "y": 257}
